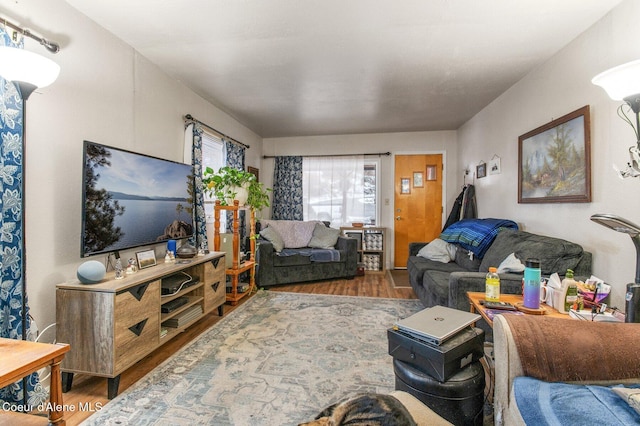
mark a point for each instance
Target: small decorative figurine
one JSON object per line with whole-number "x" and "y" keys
{"x": 119, "y": 270}
{"x": 132, "y": 268}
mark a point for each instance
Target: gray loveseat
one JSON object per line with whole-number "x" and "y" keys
{"x": 447, "y": 284}
{"x": 293, "y": 260}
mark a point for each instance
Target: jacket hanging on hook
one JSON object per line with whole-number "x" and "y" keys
{"x": 464, "y": 207}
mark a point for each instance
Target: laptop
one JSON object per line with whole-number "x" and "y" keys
{"x": 437, "y": 324}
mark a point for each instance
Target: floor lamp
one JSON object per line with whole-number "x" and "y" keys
{"x": 27, "y": 71}
{"x": 632, "y": 298}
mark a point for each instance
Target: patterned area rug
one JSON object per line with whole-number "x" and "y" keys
{"x": 278, "y": 359}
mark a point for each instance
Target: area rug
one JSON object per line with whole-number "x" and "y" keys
{"x": 399, "y": 278}
{"x": 278, "y": 359}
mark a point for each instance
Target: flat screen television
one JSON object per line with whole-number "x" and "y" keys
{"x": 131, "y": 200}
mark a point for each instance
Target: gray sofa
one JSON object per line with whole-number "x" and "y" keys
{"x": 447, "y": 284}
{"x": 304, "y": 264}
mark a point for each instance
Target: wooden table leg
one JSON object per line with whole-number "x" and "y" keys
{"x": 56, "y": 412}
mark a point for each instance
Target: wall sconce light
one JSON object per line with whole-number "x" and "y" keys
{"x": 28, "y": 70}
{"x": 623, "y": 83}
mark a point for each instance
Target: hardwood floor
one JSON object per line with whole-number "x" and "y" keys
{"x": 89, "y": 391}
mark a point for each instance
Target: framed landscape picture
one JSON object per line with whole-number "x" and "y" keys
{"x": 554, "y": 161}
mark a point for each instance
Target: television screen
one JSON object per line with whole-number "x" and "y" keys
{"x": 131, "y": 200}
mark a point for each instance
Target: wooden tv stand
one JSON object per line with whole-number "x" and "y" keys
{"x": 114, "y": 324}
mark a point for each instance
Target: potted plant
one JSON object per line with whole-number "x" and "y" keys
{"x": 228, "y": 184}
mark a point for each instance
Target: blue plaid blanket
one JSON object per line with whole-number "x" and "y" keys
{"x": 476, "y": 235}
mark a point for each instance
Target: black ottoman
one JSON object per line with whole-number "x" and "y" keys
{"x": 460, "y": 399}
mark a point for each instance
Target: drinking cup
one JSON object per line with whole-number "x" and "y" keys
{"x": 544, "y": 294}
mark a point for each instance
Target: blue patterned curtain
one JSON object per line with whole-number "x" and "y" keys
{"x": 235, "y": 159}
{"x": 287, "y": 188}
{"x": 12, "y": 234}
{"x": 235, "y": 155}
{"x": 199, "y": 239}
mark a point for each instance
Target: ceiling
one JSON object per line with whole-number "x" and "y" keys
{"x": 311, "y": 67}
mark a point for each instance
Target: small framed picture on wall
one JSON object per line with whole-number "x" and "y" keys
{"x": 418, "y": 180}
{"x": 405, "y": 186}
{"x": 481, "y": 170}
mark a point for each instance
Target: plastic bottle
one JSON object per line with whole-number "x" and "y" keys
{"x": 569, "y": 291}
{"x": 531, "y": 284}
{"x": 492, "y": 288}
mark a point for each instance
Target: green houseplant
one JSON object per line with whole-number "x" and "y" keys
{"x": 226, "y": 184}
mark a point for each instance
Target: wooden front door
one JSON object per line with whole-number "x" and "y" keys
{"x": 417, "y": 202}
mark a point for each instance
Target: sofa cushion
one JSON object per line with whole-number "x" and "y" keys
{"x": 437, "y": 285}
{"x": 294, "y": 233}
{"x": 555, "y": 254}
{"x": 420, "y": 264}
{"x": 291, "y": 260}
{"x": 324, "y": 237}
{"x": 270, "y": 234}
{"x": 438, "y": 250}
{"x": 467, "y": 260}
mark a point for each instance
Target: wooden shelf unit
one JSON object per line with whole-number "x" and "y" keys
{"x": 115, "y": 323}
{"x": 372, "y": 245}
{"x": 237, "y": 267}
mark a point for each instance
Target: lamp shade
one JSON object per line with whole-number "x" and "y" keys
{"x": 621, "y": 81}
{"x": 19, "y": 65}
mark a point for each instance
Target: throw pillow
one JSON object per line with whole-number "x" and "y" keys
{"x": 294, "y": 233}
{"x": 467, "y": 260}
{"x": 439, "y": 251}
{"x": 555, "y": 254}
{"x": 511, "y": 264}
{"x": 324, "y": 237}
{"x": 631, "y": 397}
{"x": 271, "y": 235}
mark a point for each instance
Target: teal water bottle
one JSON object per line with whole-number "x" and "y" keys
{"x": 531, "y": 288}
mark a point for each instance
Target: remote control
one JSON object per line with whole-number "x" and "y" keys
{"x": 499, "y": 305}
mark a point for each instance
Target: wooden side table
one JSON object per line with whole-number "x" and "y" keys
{"x": 19, "y": 358}
{"x": 475, "y": 306}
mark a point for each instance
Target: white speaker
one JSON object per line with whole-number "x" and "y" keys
{"x": 91, "y": 272}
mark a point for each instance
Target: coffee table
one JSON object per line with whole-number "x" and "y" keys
{"x": 514, "y": 299}
{"x": 20, "y": 358}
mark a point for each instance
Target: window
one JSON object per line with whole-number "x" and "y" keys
{"x": 340, "y": 190}
{"x": 212, "y": 156}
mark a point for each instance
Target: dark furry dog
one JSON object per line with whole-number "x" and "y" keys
{"x": 367, "y": 409}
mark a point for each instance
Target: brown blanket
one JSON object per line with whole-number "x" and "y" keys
{"x": 557, "y": 349}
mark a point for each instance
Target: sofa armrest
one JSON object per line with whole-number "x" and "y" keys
{"x": 350, "y": 247}
{"x": 508, "y": 366}
{"x": 264, "y": 259}
{"x": 462, "y": 282}
{"x": 414, "y": 248}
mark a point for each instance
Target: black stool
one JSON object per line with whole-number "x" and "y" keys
{"x": 460, "y": 399}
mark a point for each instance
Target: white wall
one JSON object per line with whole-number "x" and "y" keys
{"x": 560, "y": 86}
{"x": 396, "y": 143}
{"x": 106, "y": 93}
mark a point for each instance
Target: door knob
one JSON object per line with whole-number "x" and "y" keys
{"x": 398, "y": 217}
